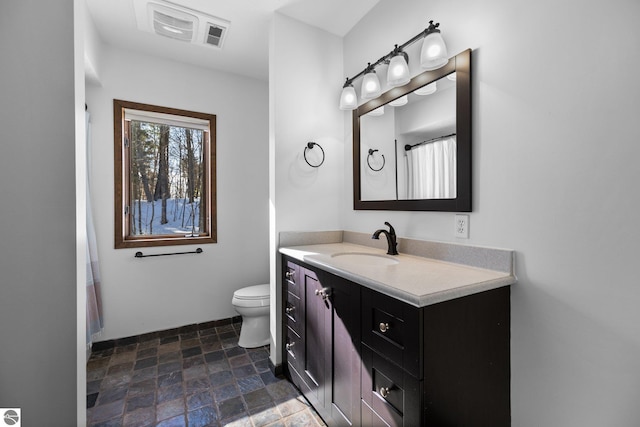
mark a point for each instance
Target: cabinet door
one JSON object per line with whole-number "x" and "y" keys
{"x": 316, "y": 340}
{"x": 345, "y": 362}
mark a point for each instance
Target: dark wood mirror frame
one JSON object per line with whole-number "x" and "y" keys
{"x": 461, "y": 65}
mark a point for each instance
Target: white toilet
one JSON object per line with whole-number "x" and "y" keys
{"x": 252, "y": 303}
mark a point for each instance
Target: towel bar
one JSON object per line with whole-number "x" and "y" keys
{"x": 141, "y": 255}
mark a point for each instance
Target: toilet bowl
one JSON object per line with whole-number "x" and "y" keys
{"x": 252, "y": 303}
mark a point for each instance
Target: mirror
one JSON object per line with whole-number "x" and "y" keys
{"x": 412, "y": 146}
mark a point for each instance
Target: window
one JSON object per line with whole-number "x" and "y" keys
{"x": 165, "y": 176}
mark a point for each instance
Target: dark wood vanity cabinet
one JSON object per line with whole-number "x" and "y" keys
{"x": 365, "y": 358}
{"x": 446, "y": 364}
{"x": 322, "y": 341}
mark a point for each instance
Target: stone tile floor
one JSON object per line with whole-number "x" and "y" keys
{"x": 190, "y": 378}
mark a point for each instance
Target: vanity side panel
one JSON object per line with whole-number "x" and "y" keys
{"x": 467, "y": 361}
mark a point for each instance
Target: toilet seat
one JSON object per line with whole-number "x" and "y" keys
{"x": 252, "y": 296}
{"x": 252, "y": 292}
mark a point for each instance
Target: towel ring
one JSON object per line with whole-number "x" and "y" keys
{"x": 310, "y": 146}
{"x": 371, "y": 151}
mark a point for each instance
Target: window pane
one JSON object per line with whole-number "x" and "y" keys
{"x": 167, "y": 181}
{"x": 165, "y": 176}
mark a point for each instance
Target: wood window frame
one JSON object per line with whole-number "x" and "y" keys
{"x": 122, "y": 174}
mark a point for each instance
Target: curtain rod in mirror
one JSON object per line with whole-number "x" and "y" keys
{"x": 428, "y": 141}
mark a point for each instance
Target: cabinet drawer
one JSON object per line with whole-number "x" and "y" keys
{"x": 295, "y": 349}
{"x": 393, "y": 329}
{"x": 390, "y": 392}
{"x": 293, "y": 312}
{"x": 291, "y": 278}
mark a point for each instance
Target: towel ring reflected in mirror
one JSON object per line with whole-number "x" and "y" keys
{"x": 371, "y": 151}
{"x": 310, "y": 146}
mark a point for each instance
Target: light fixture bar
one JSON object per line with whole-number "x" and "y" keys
{"x": 388, "y": 56}
{"x": 348, "y": 99}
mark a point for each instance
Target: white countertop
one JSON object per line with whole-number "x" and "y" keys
{"x": 416, "y": 280}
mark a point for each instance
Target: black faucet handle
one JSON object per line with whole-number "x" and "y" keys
{"x": 391, "y": 229}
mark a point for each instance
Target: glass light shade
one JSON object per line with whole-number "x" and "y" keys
{"x": 398, "y": 71}
{"x": 400, "y": 101}
{"x": 427, "y": 90}
{"x": 377, "y": 112}
{"x": 434, "y": 52}
{"x": 348, "y": 98}
{"x": 370, "y": 86}
{"x": 452, "y": 77}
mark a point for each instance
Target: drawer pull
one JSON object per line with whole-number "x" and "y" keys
{"x": 384, "y": 391}
{"x": 289, "y": 275}
{"x": 384, "y": 327}
{"x": 289, "y": 346}
{"x": 289, "y": 310}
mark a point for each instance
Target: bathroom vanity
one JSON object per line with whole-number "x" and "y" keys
{"x": 407, "y": 340}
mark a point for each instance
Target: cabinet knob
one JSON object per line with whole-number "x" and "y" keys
{"x": 384, "y": 391}
{"x": 289, "y": 275}
{"x": 324, "y": 293}
{"x": 384, "y": 327}
{"x": 289, "y": 310}
{"x": 289, "y": 346}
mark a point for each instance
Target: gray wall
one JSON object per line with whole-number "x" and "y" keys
{"x": 152, "y": 294}
{"x": 555, "y": 177}
{"x": 301, "y": 109}
{"x": 37, "y": 212}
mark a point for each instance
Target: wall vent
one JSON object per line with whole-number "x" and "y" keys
{"x": 180, "y": 23}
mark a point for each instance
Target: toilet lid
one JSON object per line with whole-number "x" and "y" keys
{"x": 252, "y": 292}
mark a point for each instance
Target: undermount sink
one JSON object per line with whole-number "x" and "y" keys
{"x": 365, "y": 258}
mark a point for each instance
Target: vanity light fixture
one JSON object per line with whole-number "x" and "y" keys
{"x": 348, "y": 99}
{"x": 398, "y": 71}
{"x": 433, "y": 56}
{"x": 370, "y": 84}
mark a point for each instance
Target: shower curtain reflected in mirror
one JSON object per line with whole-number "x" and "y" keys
{"x": 431, "y": 170}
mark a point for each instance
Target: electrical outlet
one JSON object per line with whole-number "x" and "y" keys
{"x": 461, "y": 226}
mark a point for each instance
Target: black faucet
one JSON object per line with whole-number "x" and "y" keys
{"x": 391, "y": 239}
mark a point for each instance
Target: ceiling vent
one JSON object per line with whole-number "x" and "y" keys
{"x": 215, "y": 34}
{"x": 180, "y": 23}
